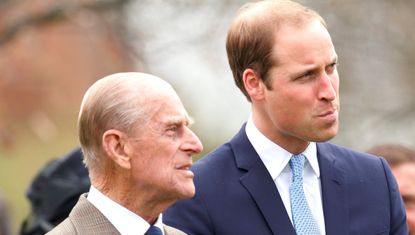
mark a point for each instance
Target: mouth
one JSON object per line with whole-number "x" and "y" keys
{"x": 184, "y": 166}
{"x": 329, "y": 115}
{"x": 185, "y": 169}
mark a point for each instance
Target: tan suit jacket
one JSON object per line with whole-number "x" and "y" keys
{"x": 86, "y": 219}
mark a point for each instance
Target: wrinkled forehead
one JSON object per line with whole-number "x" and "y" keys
{"x": 165, "y": 112}
{"x": 146, "y": 92}
{"x": 158, "y": 96}
{"x": 149, "y": 91}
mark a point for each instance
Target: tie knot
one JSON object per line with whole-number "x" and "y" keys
{"x": 297, "y": 165}
{"x": 153, "y": 230}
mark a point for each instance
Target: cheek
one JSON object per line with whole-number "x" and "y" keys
{"x": 282, "y": 100}
{"x": 141, "y": 166}
{"x": 150, "y": 160}
{"x": 291, "y": 107}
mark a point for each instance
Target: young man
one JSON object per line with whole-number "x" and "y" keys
{"x": 137, "y": 145}
{"x": 278, "y": 175}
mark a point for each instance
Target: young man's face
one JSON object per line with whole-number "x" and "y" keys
{"x": 302, "y": 102}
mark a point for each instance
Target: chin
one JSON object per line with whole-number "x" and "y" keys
{"x": 326, "y": 136}
{"x": 187, "y": 192}
{"x": 328, "y": 133}
{"x": 186, "y": 196}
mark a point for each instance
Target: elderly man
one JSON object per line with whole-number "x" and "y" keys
{"x": 278, "y": 175}
{"x": 135, "y": 136}
{"x": 402, "y": 162}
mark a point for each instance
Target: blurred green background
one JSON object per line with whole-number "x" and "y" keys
{"x": 19, "y": 166}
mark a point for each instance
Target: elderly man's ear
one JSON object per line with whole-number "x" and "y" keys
{"x": 116, "y": 147}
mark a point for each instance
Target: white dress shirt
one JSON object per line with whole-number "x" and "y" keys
{"x": 124, "y": 220}
{"x": 276, "y": 160}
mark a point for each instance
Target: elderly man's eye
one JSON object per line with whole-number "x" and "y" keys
{"x": 173, "y": 129}
{"x": 331, "y": 68}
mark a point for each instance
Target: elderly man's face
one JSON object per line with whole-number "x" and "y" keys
{"x": 163, "y": 149}
{"x": 405, "y": 175}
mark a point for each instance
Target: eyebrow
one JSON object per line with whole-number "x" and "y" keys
{"x": 179, "y": 120}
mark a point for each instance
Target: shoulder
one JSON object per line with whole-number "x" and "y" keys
{"x": 172, "y": 231}
{"x": 342, "y": 154}
{"x": 232, "y": 154}
{"x": 213, "y": 168}
{"x": 216, "y": 157}
{"x": 351, "y": 161}
{"x": 85, "y": 218}
{"x": 70, "y": 224}
{"x": 65, "y": 227}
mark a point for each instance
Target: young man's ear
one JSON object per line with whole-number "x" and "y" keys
{"x": 253, "y": 84}
{"x": 116, "y": 147}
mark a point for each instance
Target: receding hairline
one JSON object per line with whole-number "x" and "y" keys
{"x": 146, "y": 84}
{"x": 265, "y": 12}
{"x": 143, "y": 80}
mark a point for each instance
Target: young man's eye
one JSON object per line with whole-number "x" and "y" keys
{"x": 306, "y": 75}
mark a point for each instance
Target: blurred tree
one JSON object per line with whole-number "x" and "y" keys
{"x": 49, "y": 52}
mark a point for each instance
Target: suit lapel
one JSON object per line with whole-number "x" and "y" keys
{"x": 260, "y": 185}
{"x": 334, "y": 191}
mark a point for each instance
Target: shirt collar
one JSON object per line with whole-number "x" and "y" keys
{"x": 124, "y": 220}
{"x": 267, "y": 150}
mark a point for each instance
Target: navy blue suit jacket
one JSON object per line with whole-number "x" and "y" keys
{"x": 235, "y": 195}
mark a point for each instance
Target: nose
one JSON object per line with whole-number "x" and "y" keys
{"x": 191, "y": 144}
{"x": 328, "y": 87}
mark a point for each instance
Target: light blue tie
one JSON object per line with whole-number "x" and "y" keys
{"x": 303, "y": 220}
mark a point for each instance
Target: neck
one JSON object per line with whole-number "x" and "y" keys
{"x": 144, "y": 202}
{"x": 286, "y": 141}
